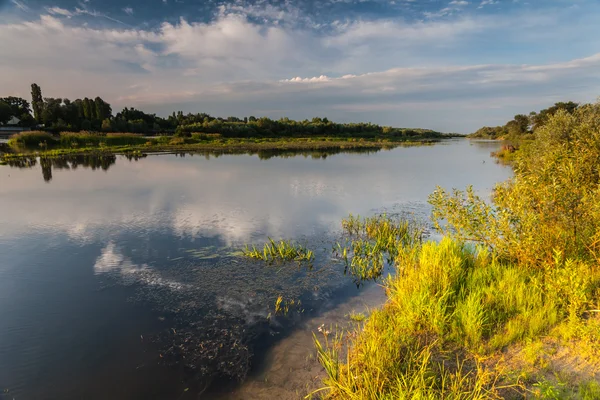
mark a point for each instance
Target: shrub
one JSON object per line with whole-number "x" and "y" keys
{"x": 32, "y": 139}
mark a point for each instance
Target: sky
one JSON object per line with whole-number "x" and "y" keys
{"x": 451, "y": 65}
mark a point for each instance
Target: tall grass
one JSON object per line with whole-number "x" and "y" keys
{"x": 43, "y": 140}
{"x": 32, "y": 139}
{"x": 448, "y": 302}
{"x": 90, "y": 139}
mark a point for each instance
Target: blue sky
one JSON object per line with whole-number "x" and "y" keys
{"x": 451, "y": 65}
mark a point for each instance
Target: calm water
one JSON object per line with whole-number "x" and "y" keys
{"x": 122, "y": 279}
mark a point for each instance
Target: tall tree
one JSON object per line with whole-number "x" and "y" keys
{"x": 87, "y": 109}
{"x": 103, "y": 109}
{"x": 52, "y": 111}
{"x": 5, "y": 112}
{"x": 37, "y": 101}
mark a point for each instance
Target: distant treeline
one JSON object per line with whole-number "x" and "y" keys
{"x": 63, "y": 115}
{"x": 523, "y": 126}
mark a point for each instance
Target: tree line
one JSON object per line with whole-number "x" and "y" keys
{"x": 523, "y": 126}
{"x": 61, "y": 114}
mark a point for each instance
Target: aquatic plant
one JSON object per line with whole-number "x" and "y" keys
{"x": 374, "y": 242}
{"x": 282, "y": 307}
{"x": 284, "y": 250}
{"x": 357, "y": 316}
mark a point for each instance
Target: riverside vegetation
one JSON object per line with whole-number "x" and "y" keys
{"x": 88, "y": 125}
{"x": 44, "y": 144}
{"x": 505, "y": 305}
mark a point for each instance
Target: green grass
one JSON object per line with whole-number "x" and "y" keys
{"x": 280, "y": 251}
{"x": 375, "y": 241}
{"x": 357, "y": 316}
{"x": 450, "y": 306}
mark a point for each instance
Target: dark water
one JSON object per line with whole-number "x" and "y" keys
{"x": 122, "y": 279}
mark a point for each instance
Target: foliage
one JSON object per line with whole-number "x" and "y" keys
{"x": 6, "y": 112}
{"x": 508, "y": 271}
{"x": 523, "y": 126}
{"x": 18, "y": 108}
{"x": 59, "y": 114}
{"x": 44, "y": 140}
{"x": 32, "y": 139}
{"x": 37, "y": 102}
{"x": 552, "y": 202}
{"x": 280, "y": 251}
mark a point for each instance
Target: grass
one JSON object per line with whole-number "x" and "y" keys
{"x": 375, "y": 242}
{"x": 450, "y": 307}
{"x": 282, "y": 307}
{"x": 357, "y": 316}
{"x": 280, "y": 251}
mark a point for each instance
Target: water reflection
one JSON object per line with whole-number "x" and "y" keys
{"x": 104, "y": 161}
{"x": 67, "y": 162}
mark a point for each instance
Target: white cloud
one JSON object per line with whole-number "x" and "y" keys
{"x": 128, "y": 10}
{"x": 59, "y": 11}
{"x": 20, "y": 5}
{"x": 233, "y": 66}
{"x": 487, "y": 2}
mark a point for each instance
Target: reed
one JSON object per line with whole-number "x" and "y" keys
{"x": 283, "y": 250}
{"x": 374, "y": 242}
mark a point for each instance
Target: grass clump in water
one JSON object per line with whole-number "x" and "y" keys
{"x": 283, "y": 250}
{"x": 357, "y": 316}
{"x": 374, "y": 242}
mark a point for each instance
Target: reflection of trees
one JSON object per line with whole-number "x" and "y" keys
{"x": 282, "y": 153}
{"x": 93, "y": 161}
{"x": 104, "y": 161}
{"x": 315, "y": 154}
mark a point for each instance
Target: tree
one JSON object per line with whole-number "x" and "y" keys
{"x": 37, "y": 102}
{"x": 103, "y": 109}
{"x": 52, "y": 111}
{"x": 88, "y": 109}
{"x": 5, "y": 112}
{"x": 107, "y": 125}
{"x": 19, "y": 105}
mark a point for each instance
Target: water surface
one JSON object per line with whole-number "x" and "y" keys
{"x": 112, "y": 270}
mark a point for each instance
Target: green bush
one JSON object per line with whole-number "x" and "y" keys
{"x": 32, "y": 139}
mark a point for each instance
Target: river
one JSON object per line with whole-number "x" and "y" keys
{"x": 122, "y": 278}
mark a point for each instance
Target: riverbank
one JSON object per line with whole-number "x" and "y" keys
{"x": 41, "y": 144}
{"x": 506, "y": 305}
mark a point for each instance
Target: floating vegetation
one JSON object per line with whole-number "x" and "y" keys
{"x": 374, "y": 241}
{"x": 284, "y": 250}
